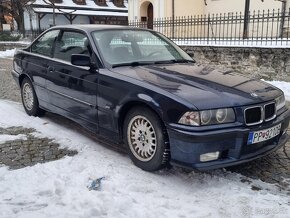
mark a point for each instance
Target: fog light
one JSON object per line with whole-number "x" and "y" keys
{"x": 209, "y": 156}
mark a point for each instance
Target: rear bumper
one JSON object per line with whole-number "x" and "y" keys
{"x": 187, "y": 146}
{"x": 15, "y": 76}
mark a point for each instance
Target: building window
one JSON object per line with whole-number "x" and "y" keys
{"x": 101, "y": 2}
{"x": 119, "y": 3}
{"x": 79, "y": 2}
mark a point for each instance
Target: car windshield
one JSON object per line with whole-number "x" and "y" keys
{"x": 136, "y": 47}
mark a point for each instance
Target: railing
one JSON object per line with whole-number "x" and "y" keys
{"x": 261, "y": 28}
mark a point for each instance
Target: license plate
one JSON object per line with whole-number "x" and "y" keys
{"x": 263, "y": 135}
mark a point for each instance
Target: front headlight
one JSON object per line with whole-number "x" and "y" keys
{"x": 190, "y": 118}
{"x": 280, "y": 102}
{"x": 208, "y": 117}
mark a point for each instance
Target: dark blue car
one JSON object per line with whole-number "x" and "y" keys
{"x": 136, "y": 87}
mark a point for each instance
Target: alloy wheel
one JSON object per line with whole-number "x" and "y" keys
{"x": 142, "y": 138}
{"x": 28, "y": 98}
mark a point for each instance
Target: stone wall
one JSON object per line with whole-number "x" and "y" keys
{"x": 266, "y": 63}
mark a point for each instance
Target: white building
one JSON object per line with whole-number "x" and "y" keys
{"x": 43, "y": 14}
{"x": 155, "y": 9}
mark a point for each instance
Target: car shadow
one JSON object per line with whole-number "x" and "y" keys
{"x": 67, "y": 123}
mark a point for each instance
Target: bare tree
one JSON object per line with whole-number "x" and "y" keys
{"x": 15, "y": 9}
{"x": 2, "y": 14}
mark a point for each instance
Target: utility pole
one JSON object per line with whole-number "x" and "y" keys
{"x": 173, "y": 18}
{"x": 246, "y": 19}
{"x": 282, "y": 22}
{"x": 53, "y": 14}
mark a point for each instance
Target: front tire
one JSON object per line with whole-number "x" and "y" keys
{"x": 29, "y": 99}
{"x": 146, "y": 139}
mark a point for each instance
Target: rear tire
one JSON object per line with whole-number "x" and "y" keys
{"x": 146, "y": 139}
{"x": 29, "y": 99}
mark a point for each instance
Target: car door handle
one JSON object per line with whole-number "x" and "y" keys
{"x": 50, "y": 69}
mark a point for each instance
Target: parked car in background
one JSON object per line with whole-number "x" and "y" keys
{"x": 136, "y": 87}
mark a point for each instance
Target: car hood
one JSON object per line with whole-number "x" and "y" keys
{"x": 203, "y": 86}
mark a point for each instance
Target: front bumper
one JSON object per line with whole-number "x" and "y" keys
{"x": 187, "y": 146}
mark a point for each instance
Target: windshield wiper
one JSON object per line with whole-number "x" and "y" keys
{"x": 133, "y": 64}
{"x": 174, "y": 61}
{"x": 141, "y": 63}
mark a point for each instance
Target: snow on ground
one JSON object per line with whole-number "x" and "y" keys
{"x": 284, "y": 86}
{"x": 248, "y": 43}
{"x": 7, "y": 53}
{"x": 21, "y": 42}
{"x": 5, "y": 138}
{"x": 59, "y": 188}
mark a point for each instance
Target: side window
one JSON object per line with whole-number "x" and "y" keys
{"x": 44, "y": 45}
{"x": 71, "y": 43}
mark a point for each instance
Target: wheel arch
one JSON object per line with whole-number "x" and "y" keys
{"x": 22, "y": 77}
{"x": 132, "y": 104}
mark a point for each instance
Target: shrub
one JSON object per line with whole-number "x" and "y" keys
{"x": 7, "y": 36}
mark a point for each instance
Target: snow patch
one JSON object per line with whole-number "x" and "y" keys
{"x": 240, "y": 43}
{"x": 7, "y": 53}
{"x": 284, "y": 86}
{"x": 5, "y": 138}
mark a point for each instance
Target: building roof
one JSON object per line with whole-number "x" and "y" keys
{"x": 80, "y": 12}
{"x": 93, "y": 27}
{"x": 90, "y": 8}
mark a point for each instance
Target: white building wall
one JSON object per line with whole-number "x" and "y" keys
{"x": 47, "y": 21}
{"x": 226, "y": 6}
{"x": 30, "y": 25}
{"x": 163, "y": 8}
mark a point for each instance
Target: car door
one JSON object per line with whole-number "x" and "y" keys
{"x": 37, "y": 61}
{"x": 73, "y": 89}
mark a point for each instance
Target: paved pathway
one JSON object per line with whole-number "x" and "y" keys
{"x": 28, "y": 150}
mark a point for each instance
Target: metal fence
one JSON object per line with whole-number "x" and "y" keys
{"x": 259, "y": 28}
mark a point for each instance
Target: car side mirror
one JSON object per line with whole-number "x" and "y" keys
{"x": 81, "y": 60}
{"x": 190, "y": 53}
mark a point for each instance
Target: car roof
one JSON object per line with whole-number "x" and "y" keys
{"x": 94, "y": 27}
